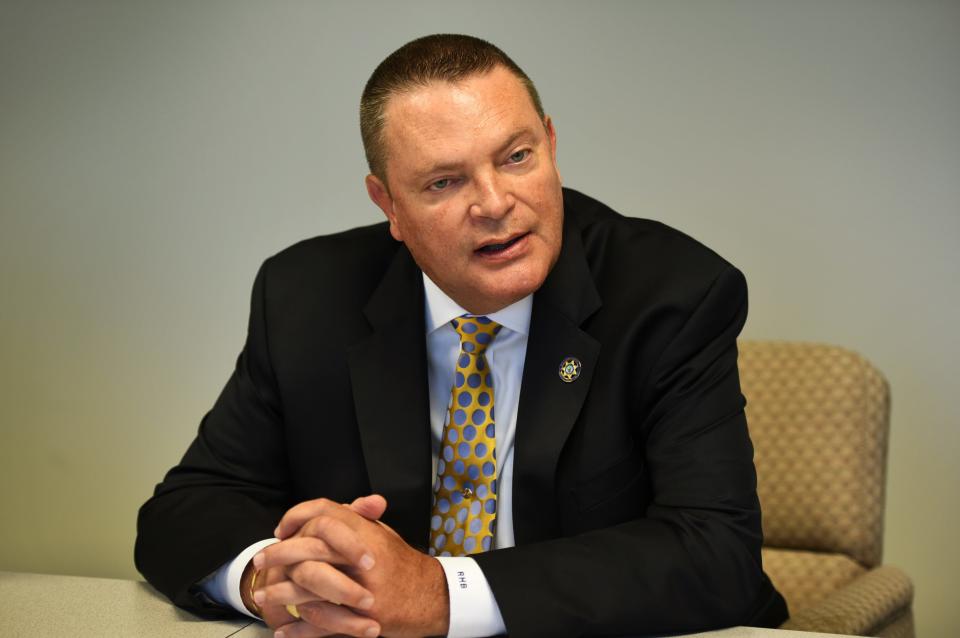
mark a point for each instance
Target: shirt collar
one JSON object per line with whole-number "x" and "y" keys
{"x": 441, "y": 309}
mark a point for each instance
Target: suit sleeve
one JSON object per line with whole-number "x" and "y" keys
{"x": 693, "y": 561}
{"x": 230, "y": 488}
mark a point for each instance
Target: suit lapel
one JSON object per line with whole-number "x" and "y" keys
{"x": 388, "y": 372}
{"x": 549, "y": 406}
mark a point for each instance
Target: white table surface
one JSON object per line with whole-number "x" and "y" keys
{"x": 257, "y": 630}
{"x": 80, "y": 607}
{"x": 41, "y": 605}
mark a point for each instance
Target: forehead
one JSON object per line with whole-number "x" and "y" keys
{"x": 450, "y": 117}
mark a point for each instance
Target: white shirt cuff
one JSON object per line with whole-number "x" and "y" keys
{"x": 224, "y": 586}
{"x": 473, "y": 609}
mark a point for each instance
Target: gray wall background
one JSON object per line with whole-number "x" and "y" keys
{"x": 152, "y": 154}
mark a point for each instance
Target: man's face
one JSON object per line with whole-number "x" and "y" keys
{"x": 474, "y": 190}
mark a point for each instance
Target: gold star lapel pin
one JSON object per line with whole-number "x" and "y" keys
{"x": 570, "y": 369}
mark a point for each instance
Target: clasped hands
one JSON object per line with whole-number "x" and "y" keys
{"x": 348, "y": 574}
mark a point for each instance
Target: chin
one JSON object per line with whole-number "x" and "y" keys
{"x": 515, "y": 290}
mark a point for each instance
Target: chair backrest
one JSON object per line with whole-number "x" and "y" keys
{"x": 819, "y": 418}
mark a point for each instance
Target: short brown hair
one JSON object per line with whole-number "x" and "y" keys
{"x": 441, "y": 57}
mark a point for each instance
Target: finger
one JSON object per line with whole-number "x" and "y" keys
{"x": 370, "y": 507}
{"x": 336, "y": 529}
{"x": 299, "y": 514}
{"x": 335, "y": 524}
{"x": 274, "y": 615}
{"x": 284, "y": 593}
{"x": 329, "y": 583}
{"x": 339, "y": 620}
{"x": 296, "y": 549}
{"x": 300, "y": 629}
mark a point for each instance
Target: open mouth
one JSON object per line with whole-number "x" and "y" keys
{"x": 496, "y": 249}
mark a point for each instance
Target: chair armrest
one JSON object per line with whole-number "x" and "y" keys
{"x": 862, "y": 607}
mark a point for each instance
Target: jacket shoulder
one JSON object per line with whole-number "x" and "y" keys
{"x": 603, "y": 228}
{"x": 348, "y": 249}
{"x": 635, "y": 256}
{"x": 342, "y": 267}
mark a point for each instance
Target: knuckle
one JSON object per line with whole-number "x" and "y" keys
{"x": 323, "y": 524}
{"x": 319, "y": 524}
{"x": 310, "y": 527}
{"x": 313, "y": 576}
{"x": 299, "y": 574}
{"x": 316, "y": 547}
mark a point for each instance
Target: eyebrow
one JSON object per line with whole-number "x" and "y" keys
{"x": 450, "y": 166}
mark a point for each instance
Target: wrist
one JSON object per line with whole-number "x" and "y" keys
{"x": 249, "y": 581}
{"x": 439, "y": 597}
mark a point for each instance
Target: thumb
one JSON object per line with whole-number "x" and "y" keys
{"x": 370, "y": 507}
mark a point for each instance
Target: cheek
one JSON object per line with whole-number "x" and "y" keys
{"x": 439, "y": 241}
{"x": 440, "y": 246}
{"x": 546, "y": 195}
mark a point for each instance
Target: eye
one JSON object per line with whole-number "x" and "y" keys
{"x": 518, "y": 157}
{"x": 439, "y": 185}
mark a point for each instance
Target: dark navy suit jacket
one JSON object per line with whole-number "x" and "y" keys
{"x": 635, "y": 507}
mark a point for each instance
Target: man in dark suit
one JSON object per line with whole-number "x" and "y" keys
{"x": 617, "y": 493}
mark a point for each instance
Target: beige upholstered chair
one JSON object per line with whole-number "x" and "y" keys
{"x": 819, "y": 417}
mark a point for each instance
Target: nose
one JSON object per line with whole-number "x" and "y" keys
{"x": 493, "y": 199}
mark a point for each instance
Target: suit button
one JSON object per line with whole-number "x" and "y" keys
{"x": 467, "y": 492}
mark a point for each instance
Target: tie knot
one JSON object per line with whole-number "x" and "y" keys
{"x": 476, "y": 333}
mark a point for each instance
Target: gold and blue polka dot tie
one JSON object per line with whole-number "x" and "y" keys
{"x": 465, "y": 493}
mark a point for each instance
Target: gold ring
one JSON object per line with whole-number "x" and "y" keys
{"x": 293, "y": 611}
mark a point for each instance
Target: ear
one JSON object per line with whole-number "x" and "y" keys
{"x": 380, "y": 196}
{"x": 552, "y": 136}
